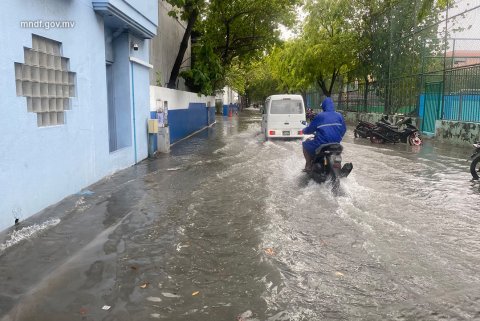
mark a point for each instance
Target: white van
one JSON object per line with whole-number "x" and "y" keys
{"x": 283, "y": 116}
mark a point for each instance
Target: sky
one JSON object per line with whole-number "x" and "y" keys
{"x": 286, "y": 33}
{"x": 470, "y": 22}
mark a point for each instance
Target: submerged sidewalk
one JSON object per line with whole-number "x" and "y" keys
{"x": 92, "y": 250}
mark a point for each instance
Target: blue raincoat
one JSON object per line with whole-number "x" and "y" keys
{"x": 328, "y": 127}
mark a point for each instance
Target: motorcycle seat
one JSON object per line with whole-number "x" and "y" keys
{"x": 389, "y": 126}
{"x": 367, "y": 124}
{"x": 329, "y": 148}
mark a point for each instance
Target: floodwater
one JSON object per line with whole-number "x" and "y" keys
{"x": 227, "y": 227}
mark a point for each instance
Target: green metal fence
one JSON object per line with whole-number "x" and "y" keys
{"x": 461, "y": 101}
{"x": 428, "y": 69}
{"x": 451, "y": 94}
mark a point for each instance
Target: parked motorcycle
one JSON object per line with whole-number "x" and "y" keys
{"x": 475, "y": 165}
{"x": 384, "y": 132}
{"x": 363, "y": 129}
{"x": 327, "y": 165}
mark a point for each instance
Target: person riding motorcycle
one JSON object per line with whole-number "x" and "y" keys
{"x": 328, "y": 127}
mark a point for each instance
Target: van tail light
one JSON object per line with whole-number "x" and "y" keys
{"x": 300, "y": 132}
{"x": 272, "y": 132}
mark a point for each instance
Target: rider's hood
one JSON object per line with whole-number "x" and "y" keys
{"x": 327, "y": 104}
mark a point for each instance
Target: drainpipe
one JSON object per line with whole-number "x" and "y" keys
{"x": 134, "y": 113}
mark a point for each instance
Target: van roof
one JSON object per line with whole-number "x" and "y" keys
{"x": 277, "y": 97}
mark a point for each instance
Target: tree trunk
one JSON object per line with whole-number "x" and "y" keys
{"x": 341, "y": 101}
{"x": 365, "y": 94}
{"x": 323, "y": 87}
{"x": 172, "y": 83}
{"x": 332, "y": 83}
{"x": 227, "y": 44}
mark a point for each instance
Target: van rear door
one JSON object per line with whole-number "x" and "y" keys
{"x": 285, "y": 115}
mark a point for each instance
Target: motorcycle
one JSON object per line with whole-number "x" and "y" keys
{"x": 363, "y": 129}
{"x": 327, "y": 165}
{"x": 475, "y": 165}
{"x": 384, "y": 132}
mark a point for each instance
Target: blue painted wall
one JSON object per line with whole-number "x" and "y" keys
{"x": 184, "y": 122}
{"x": 147, "y": 8}
{"x": 39, "y": 166}
{"x": 141, "y": 97}
{"x": 141, "y": 15}
{"x": 211, "y": 115}
{"x": 122, "y": 90}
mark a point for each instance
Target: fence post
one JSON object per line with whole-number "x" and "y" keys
{"x": 445, "y": 63}
{"x": 460, "y": 106}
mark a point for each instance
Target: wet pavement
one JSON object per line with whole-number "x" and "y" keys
{"x": 227, "y": 227}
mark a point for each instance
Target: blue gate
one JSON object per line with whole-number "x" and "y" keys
{"x": 432, "y": 106}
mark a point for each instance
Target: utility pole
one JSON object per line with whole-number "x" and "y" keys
{"x": 445, "y": 41}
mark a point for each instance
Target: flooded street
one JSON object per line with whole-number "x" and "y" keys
{"x": 227, "y": 227}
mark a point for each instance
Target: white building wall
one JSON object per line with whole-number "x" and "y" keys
{"x": 228, "y": 96}
{"x": 177, "y": 99}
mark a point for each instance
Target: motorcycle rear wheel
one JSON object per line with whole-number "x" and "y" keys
{"x": 376, "y": 139}
{"x": 361, "y": 131}
{"x": 414, "y": 139}
{"x": 475, "y": 167}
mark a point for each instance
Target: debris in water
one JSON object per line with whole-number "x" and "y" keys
{"x": 170, "y": 295}
{"x": 83, "y": 311}
{"x": 154, "y": 299}
{"x": 195, "y": 293}
{"x": 80, "y": 205}
{"x": 134, "y": 268}
{"x": 339, "y": 274}
{"x": 106, "y": 307}
{"x": 269, "y": 251}
{"x": 155, "y": 315}
{"x": 180, "y": 246}
{"x": 173, "y": 169}
{"x": 144, "y": 285}
{"x": 245, "y": 315}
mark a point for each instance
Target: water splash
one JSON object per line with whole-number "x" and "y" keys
{"x": 27, "y": 232}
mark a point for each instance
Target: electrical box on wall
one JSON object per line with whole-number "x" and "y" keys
{"x": 152, "y": 126}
